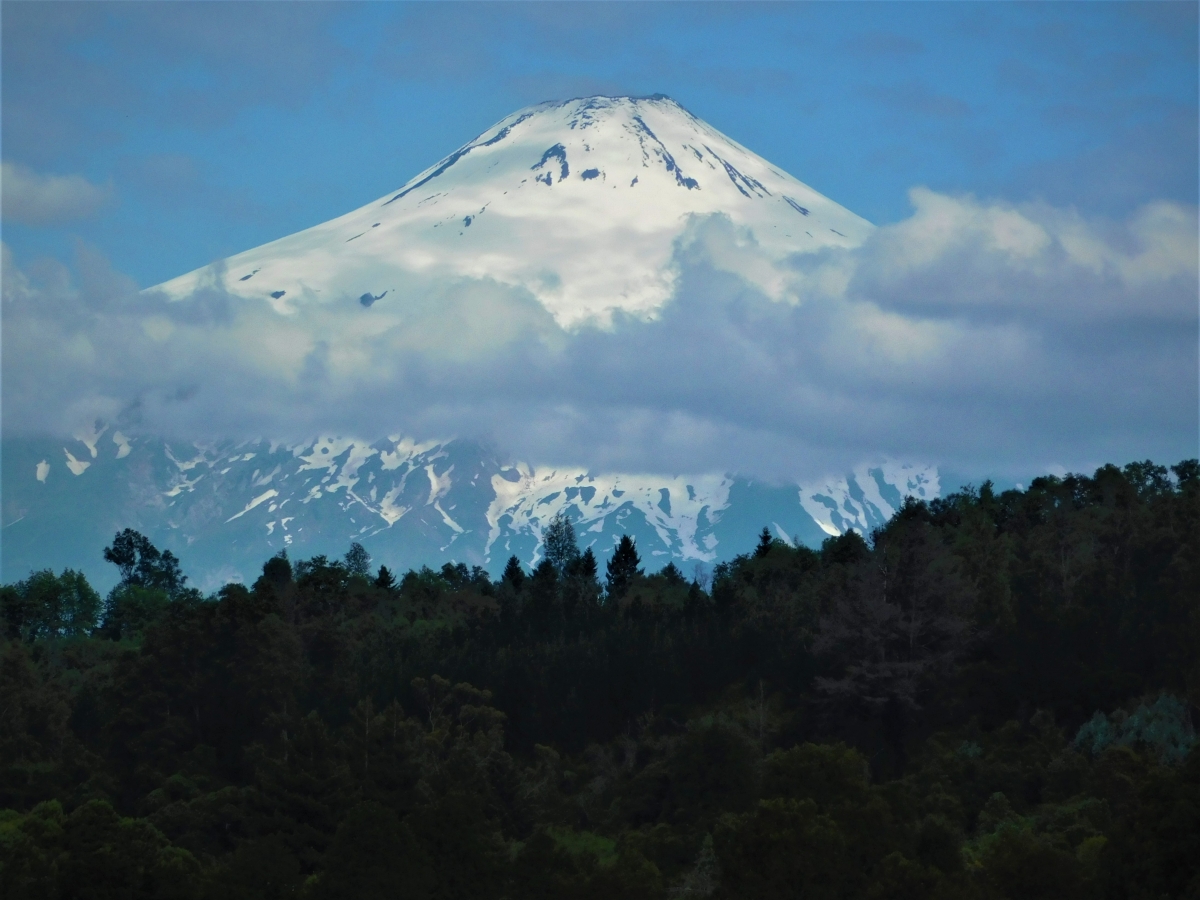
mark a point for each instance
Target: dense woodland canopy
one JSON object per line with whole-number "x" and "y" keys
{"x": 991, "y": 697}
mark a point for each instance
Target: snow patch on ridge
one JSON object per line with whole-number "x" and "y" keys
{"x": 403, "y": 450}
{"x": 439, "y": 485}
{"x": 865, "y": 499}
{"x": 123, "y": 444}
{"x": 77, "y": 466}
{"x": 528, "y": 499}
{"x": 411, "y": 501}
{"x": 90, "y": 437}
{"x": 185, "y": 465}
{"x": 257, "y": 501}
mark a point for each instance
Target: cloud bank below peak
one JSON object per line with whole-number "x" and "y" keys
{"x": 979, "y": 335}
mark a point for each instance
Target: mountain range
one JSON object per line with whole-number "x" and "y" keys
{"x": 224, "y": 507}
{"x": 582, "y": 205}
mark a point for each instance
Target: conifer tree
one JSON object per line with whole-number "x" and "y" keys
{"x": 671, "y": 574}
{"x": 622, "y": 568}
{"x": 764, "y": 543}
{"x": 585, "y": 567}
{"x": 385, "y": 579}
{"x": 513, "y": 573}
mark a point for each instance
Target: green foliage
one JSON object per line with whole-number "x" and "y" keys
{"x": 151, "y": 582}
{"x": 711, "y": 771}
{"x": 130, "y": 609}
{"x": 830, "y": 775}
{"x": 46, "y": 605}
{"x": 142, "y": 564}
{"x": 785, "y": 848}
{"x": 36, "y": 739}
{"x": 357, "y": 561}
{"x": 909, "y": 716}
{"x": 92, "y": 853}
{"x": 1165, "y": 726}
{"x": 373, "y": 856}
{"x": 558, "y": 543}
{"x": 261, "y": 869}
{"x": 1019, "y": 862}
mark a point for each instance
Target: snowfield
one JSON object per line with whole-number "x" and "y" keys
{"x": 579, "y": 203}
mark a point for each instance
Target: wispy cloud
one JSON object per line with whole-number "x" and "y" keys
{"x": 34, "y": 199}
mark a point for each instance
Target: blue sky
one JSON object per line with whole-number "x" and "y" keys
{"x": 210, "y": 128}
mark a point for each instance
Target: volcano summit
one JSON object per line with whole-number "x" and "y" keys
{"x": 579, "y": 203}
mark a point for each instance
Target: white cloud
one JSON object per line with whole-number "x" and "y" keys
{"x": 959, "y": 257}
{"x": 33, "y": 199}
{"x": 989, "y": 337}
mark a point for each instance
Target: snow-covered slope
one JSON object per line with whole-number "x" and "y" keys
{"x": 867, "y": 498}
{"x": 580, "y": 203}
{"x": 225, "y": 507}
{"x": 681, "y": 511}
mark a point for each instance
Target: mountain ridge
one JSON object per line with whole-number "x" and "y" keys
{"x": 224, "y": 506}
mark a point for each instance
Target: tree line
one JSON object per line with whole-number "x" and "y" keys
{"x": 991, "y": 696}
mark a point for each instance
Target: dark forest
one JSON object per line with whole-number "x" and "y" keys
{"x": 993, "y": 696}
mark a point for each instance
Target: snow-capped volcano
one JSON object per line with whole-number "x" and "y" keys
{"x": 582, "y": 207}
{"x": 580, "y": 203}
